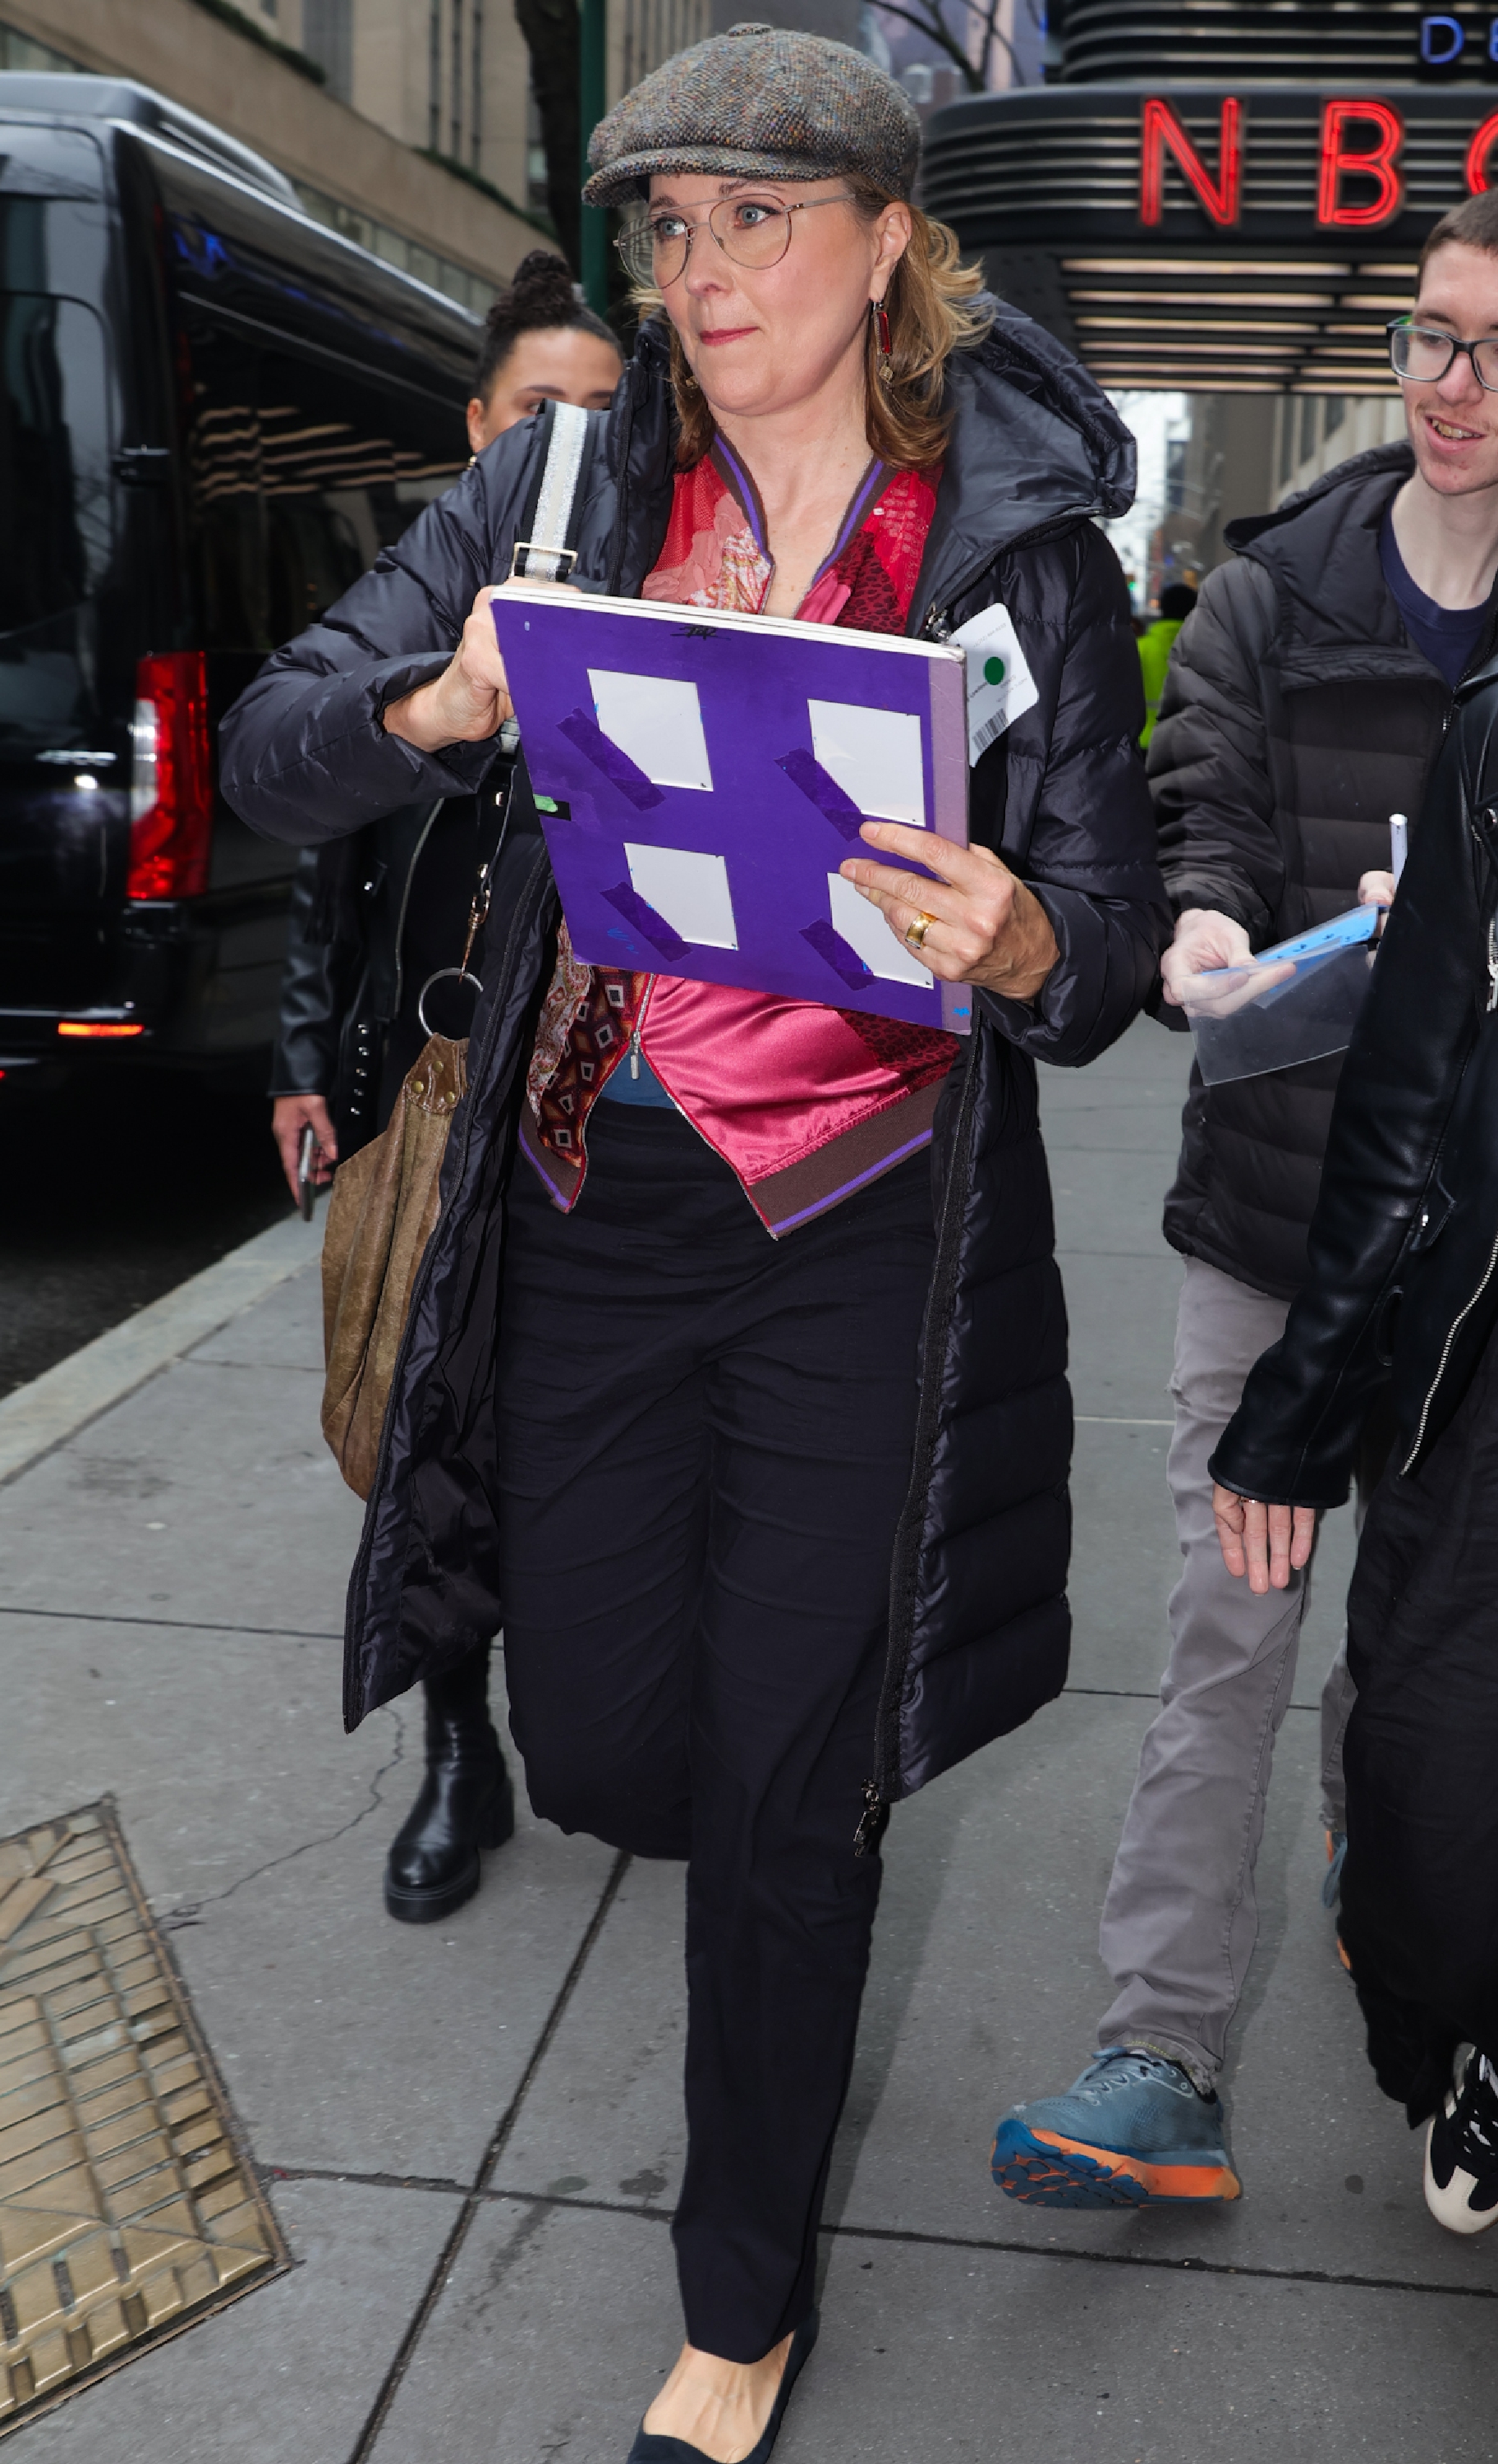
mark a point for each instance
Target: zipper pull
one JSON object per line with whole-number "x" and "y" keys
{"x": 872, "y": 1822}
{"x": 1492, "y": 963}
{"x": 634, "y": 1050}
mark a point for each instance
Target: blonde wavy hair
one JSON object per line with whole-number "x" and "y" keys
{"x": 929, "y": 307}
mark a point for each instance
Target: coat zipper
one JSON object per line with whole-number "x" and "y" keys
{"x": 1452, "y": 1333}
{"x": 875, "y": 1815}
{"x": 937, "y": 623}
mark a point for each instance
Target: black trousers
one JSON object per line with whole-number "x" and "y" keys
{"x": 706, "y": 1439}
{"x": 1420, "y": 1889}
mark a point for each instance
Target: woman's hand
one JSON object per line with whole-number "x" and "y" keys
{"x": 290, "y": 1115}
{"x": 1263, "y": 1542}
{"x": 986, "y": 928}
{"x": 468, "y": 703}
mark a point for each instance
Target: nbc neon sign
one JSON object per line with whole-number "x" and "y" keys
{"x": 1360, "y": 183}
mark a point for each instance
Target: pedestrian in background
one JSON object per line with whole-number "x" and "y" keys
{"x": 688, "y": 1460}
{"x": 1402, "y": 1256}
{"x": 1308, "y": 695}
{"x": 374, "y": 918}
{"x": 1156, "y": 642}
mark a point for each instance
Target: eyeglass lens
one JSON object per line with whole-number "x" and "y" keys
{"x": 753, "y": 232}
{"x": 1425, "y": 354}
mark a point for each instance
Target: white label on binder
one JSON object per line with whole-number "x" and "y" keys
{"x": 691, "y": 890}
{"x": 1000, "y": 685}
{"x": 862, "y": 926}
{"x": 658, "y": 722}
{"x": 876, "y": 757}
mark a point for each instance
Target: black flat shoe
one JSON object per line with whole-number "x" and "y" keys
{"x": 466, "y": 1804}
{"x": 649, "y": 2449}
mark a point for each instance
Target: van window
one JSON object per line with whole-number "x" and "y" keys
{"x": 299, "y": 474}
{"x": 54, "y": 475}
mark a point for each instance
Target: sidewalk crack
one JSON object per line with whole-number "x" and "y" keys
{"x": 189, "y": 1911}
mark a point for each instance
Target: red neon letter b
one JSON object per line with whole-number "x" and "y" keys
{"x": 1379, "y": 162}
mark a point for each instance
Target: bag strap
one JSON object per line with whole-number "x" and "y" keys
{"x": 547, "y": 554}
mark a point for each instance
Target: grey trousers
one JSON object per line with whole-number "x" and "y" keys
{"x": 1181, "y": 1918}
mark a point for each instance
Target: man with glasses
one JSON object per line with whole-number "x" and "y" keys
{"x": 1306, "y": 699}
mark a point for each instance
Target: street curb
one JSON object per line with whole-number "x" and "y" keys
{"x": 65, "y": 1398}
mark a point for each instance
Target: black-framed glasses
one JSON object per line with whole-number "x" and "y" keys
{"x": 752, "y": 232}
{"x": 1421, "y": 354}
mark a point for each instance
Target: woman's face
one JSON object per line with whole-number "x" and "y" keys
{"x": 765, "y": 340}
{"x": 555, "y": 364}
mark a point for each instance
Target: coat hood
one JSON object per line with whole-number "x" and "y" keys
{"x": 1035, "y": 442}
{"x": 1321, "y": 548}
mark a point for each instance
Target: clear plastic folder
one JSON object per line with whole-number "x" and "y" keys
{"x": 1298, "y": 1002}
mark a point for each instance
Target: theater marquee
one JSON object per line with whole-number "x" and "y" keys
{"x": 1252, "y": 234}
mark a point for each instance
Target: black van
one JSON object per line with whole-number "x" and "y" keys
{"x": 214, "y": 413}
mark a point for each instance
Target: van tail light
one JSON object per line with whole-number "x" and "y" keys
{"x": 171, "y": 778}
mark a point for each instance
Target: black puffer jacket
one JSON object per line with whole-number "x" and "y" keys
{"x": 979, "y": 1626}
{"x": 1296, "y": 719}
{"x": 1404, "y": 1243}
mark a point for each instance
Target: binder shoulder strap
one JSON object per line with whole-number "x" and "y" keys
{"x": 546, "y": 552}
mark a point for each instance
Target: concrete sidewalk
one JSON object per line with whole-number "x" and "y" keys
{"x": 471, "y": 2133}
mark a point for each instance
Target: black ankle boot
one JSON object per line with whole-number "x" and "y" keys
{"x": 466, "y": 1802}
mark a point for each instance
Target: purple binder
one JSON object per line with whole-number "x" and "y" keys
{"x": 702, "y": 777}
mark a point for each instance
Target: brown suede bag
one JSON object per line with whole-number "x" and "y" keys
{"x": 381, "y": 1214}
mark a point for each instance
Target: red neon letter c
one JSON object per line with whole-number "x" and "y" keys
{"x": 1477, "y": 154}
{"x": 1378, "y": 162}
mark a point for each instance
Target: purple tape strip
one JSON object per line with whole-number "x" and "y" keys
{"x": 805, "y": 771}
{"x": 609, "y": 757}
{"x": 840, "y": 955}
{"x": 649, "y": 920}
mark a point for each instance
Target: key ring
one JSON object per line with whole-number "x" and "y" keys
{"x": 464, "y": 976}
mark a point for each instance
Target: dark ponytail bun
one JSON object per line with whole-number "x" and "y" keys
{"x": 541, "y": 298}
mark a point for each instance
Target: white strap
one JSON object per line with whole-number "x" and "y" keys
{"x": 546, "y": 550}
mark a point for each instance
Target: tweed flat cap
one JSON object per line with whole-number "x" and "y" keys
{"x": 760, "y": 101}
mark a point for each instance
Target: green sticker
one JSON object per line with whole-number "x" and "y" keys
{"x": 994, "y": 671}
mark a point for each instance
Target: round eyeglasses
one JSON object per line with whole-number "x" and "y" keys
{"x": 752, "y": 232}
{"x": 1421, "y": 354}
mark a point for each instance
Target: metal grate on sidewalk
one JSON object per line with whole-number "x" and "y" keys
{"x": 127, "y": 2212}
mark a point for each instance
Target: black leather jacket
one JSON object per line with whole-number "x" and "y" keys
{"x": 978, "y": 1619}
{"x": 360, "y": 948}
{"x": 1404, "y": 1242}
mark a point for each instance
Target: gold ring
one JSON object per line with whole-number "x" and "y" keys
{"x": 916, "y": 930}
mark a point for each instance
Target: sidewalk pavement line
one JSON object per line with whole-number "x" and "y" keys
{"x": 64, "y": 1399}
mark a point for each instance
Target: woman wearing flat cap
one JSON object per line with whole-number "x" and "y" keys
{"x": 736, "y": 1366}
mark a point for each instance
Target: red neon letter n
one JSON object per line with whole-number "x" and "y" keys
{"x": 1222, "y": 197}
{"x": 1379, "y": 163}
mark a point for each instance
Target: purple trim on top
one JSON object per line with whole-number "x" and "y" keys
{"x": 731, "y": 471}
{"x": 876, "y": 479}
{"x": 788, "y": 1222}
{"x": 873, "y": 485}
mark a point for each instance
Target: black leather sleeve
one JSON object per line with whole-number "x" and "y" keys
{"x": 1293, "y": 1438}
{"x": 305, "y": 1060}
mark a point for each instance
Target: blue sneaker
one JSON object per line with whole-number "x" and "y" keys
{"x": 1132, "y": 2132}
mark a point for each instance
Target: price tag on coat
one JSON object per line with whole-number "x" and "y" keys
{"x": 1000, "y": 685}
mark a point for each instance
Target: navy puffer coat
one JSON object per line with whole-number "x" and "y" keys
{"x": 979, "y": 1625}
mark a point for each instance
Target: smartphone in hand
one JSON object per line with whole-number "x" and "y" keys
{"x": 306, "y": 1161}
